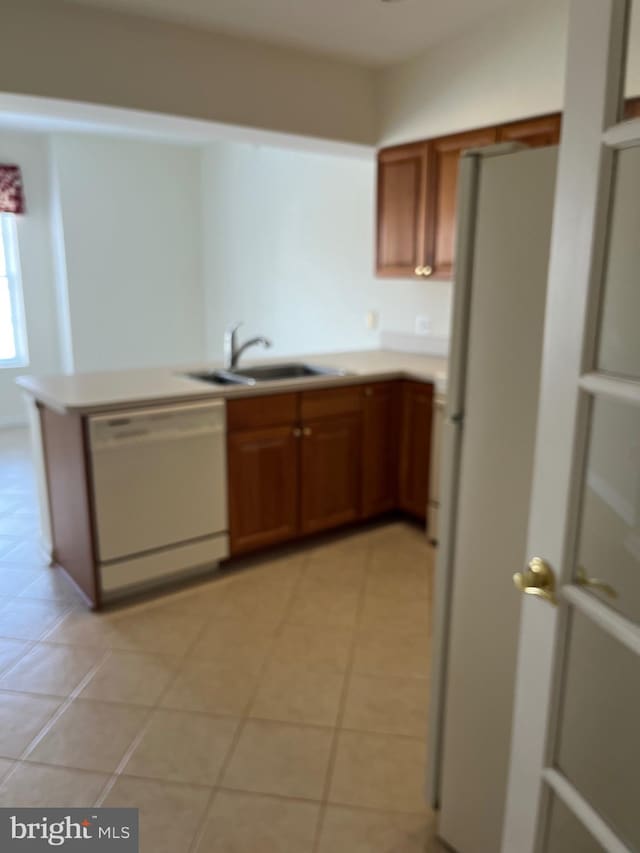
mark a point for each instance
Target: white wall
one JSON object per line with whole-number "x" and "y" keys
{"x": 289, "y": 249}
{"x": 510, "y": 67}
{"x": 30, "y": 152}
{"x": 58, "y": 49}
{"x": 131, "y": 220}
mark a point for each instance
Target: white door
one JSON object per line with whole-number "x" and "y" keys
{"x": 574, "y": 781}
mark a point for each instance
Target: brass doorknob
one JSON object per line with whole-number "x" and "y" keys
{"x": 538, "y": 579}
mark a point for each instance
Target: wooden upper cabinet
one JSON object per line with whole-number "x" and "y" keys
{"x": 402, "y": 209}
{"x": 442, "y": 218}
{"x": 535, "y": 132}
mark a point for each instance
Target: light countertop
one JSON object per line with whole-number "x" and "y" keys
{"x": 85, "y": 393}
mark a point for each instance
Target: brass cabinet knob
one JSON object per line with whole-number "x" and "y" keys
{"x": 306, "y": 431}
{"x": 538, "y": 579}
{"x": 297, "y": 432}
{"x": 368, "y": 392}
{"x": 424, "y": 272}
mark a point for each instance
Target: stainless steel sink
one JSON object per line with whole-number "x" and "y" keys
{"x": 266, "y": 373}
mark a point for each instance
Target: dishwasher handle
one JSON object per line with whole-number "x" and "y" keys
{"x": 127, "y": 429}
{"x": 136, "y": 436}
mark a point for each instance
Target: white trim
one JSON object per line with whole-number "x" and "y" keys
{"x": 51, "y": 115}
{"x": 587, "y": 816}
{"x": 615, "y": 388}
{"x": 623, "y": 135}
{"x": 618, "y": 626}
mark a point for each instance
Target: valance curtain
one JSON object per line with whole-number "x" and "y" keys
{"x": 11, "y": 191}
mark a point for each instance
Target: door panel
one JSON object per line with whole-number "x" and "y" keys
{"x": 402, "y": 189}
{"x": 379, "y": 448}
{"x": 575, "y": 732}
{"x": 330, "y": 472}
{"x": 599, "y": 746}
{"x": 567, "y": 834}
{"x": 619, "y": 350}
{"x": 608, "y": 563}
{"x": 263, "y": 487}
{"x": 446, "y": 157}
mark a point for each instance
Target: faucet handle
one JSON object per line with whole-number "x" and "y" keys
{"x": 230, "y": 343}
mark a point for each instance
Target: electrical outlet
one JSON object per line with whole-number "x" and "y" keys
{"x": 371, "y": 320}
{"x": 423, "y": 324}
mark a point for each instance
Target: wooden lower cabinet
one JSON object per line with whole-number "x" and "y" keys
{"x": 303, "y": 463}
{"x": 263, "y": 487}
{"x": 415, "y": 447}
{"x": 330, "y": 473}
{"x": 380, "y": 432}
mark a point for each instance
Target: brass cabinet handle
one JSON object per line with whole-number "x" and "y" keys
{"x": 297, "y": 432}
{"x": 583, "y": 579}
{"x": 538, "y": 579}
{"x": 306, "y": 431}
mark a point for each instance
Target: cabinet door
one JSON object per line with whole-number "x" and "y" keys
{"x": 402, "y": 203}
{"x": 263, "y": 487}
{"x": 330, "y": 472}
{"x": 415, "y": 450}
{"x": 442, "y": 222}
{"x": 380, "y": 448}
{"x": 534, "y": 132}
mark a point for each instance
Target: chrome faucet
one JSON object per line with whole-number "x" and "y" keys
{"x": 232, "y": 351}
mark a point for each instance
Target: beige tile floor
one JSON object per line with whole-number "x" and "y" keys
{"x": 279, "y": 707}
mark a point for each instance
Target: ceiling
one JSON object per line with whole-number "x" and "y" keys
{"x": 369, "y": 32}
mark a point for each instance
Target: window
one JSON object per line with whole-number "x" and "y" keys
{"x": 13, "y": 341}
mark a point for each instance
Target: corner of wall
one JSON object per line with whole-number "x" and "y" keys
{"x": 61, "y": 282}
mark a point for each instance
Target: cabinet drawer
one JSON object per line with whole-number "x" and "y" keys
{"x": 331, "y": 401}
{"x": 268, "y": 410}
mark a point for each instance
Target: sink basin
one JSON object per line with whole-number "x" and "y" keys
{"x": 266, "y": 373}
{"x": 271, "y": 372}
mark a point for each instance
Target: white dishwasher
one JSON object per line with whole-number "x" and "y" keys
{"x": 160, "y": 492}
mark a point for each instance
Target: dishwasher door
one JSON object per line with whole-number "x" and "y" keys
{"x": 159, "y": 477}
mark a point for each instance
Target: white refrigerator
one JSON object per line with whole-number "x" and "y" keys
{"x": 505, "y": 204}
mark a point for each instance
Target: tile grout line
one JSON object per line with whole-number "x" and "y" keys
{"x": 333, "y": 753}
{"x": 135, "y": 742}
{"x": 244, "y": 717}
{"x": 48, "y": 725}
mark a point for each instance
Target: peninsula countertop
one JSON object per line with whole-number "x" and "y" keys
{"x": 88, "y": 393}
